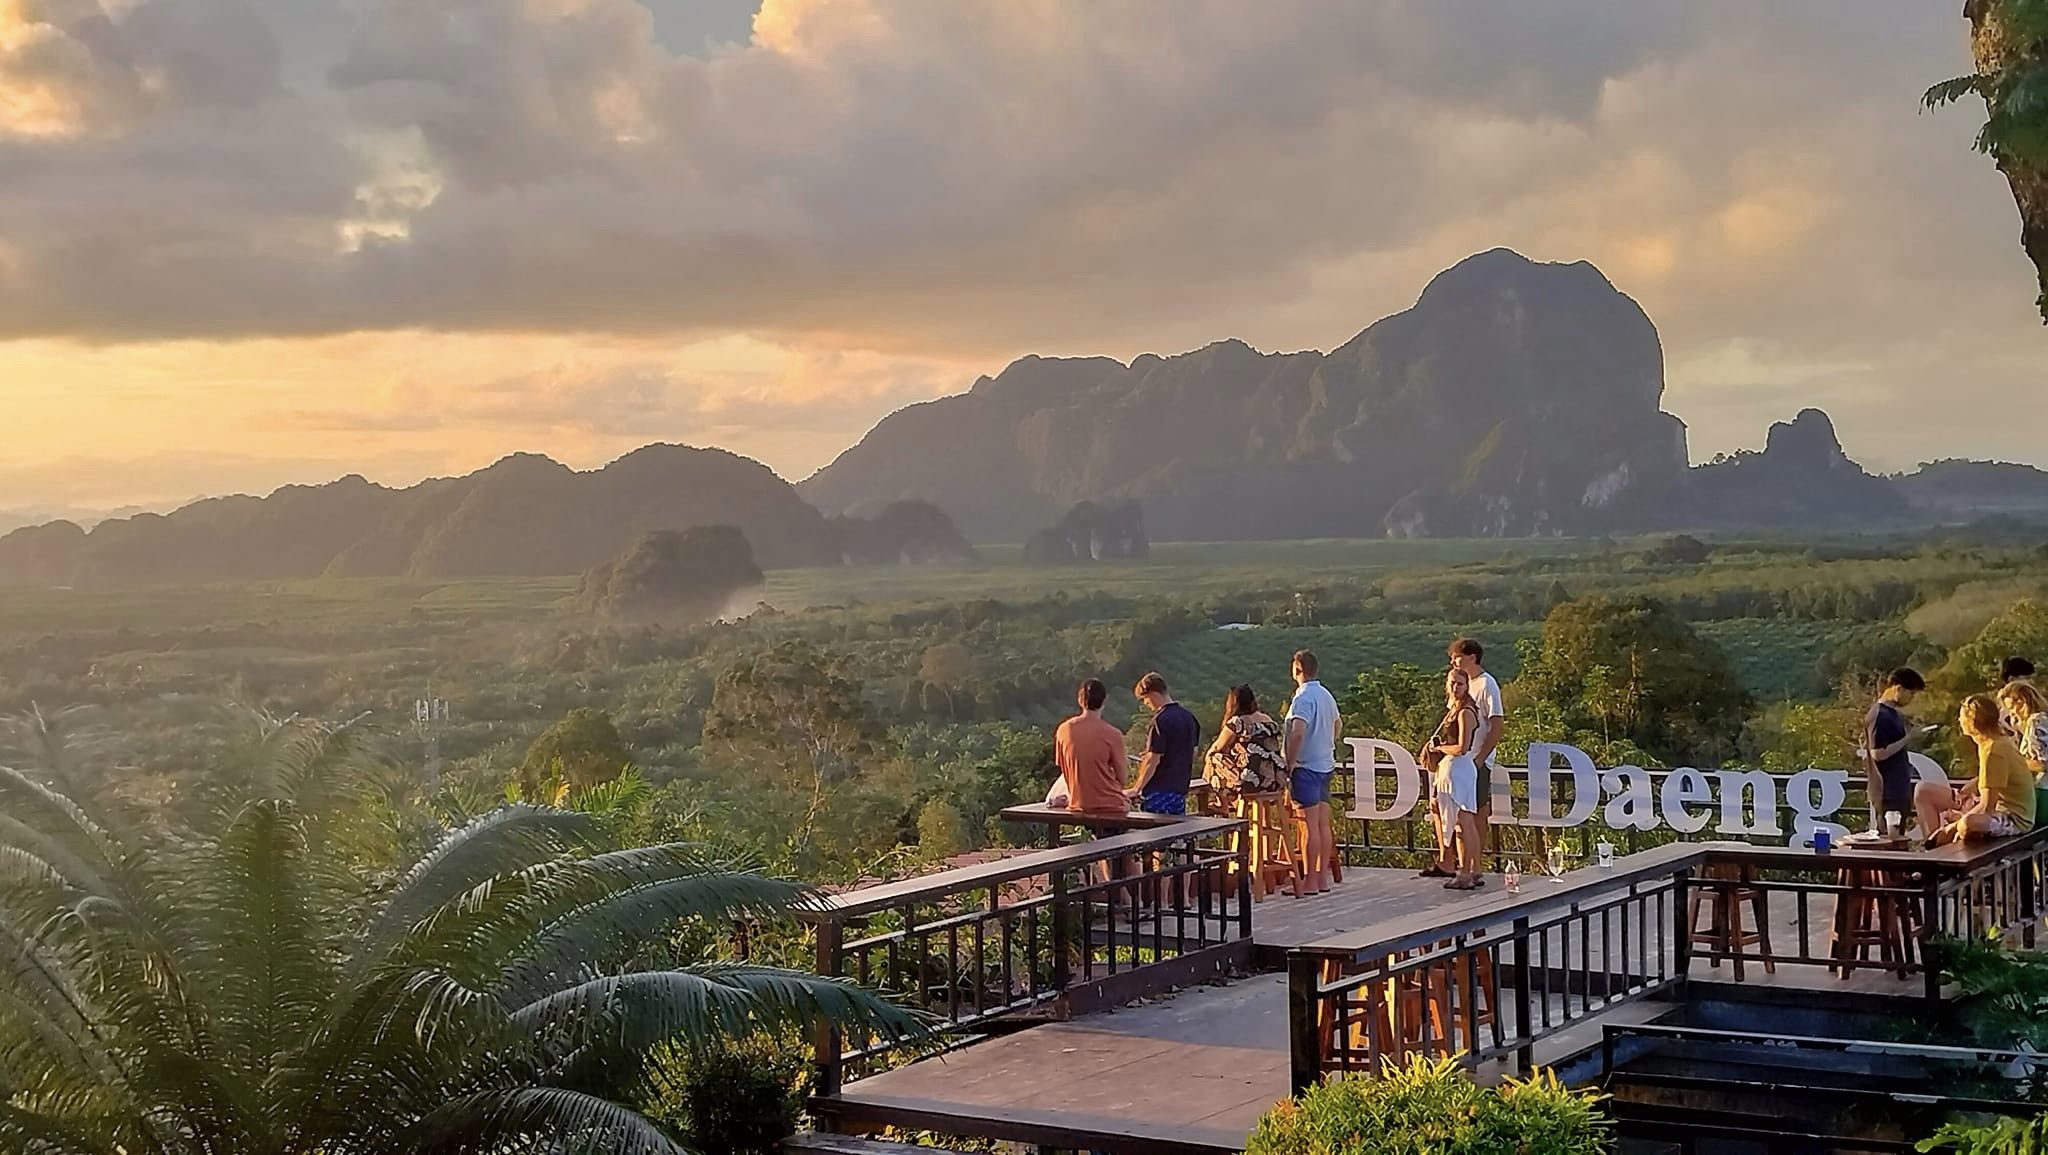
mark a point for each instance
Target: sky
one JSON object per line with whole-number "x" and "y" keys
{"x": 252, "y": 242}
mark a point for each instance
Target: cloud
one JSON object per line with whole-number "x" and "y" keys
{"x": 939, "y": 184}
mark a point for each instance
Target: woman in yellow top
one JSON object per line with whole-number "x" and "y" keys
{"x": 2005, "y": 786}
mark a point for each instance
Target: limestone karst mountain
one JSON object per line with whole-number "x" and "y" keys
{"x": 1515, "y": 397}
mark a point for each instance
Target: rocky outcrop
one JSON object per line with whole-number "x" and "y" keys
{"x": 1800, "y": 479}
{"x": 1090, "y": 532}
{"x": 903, "y": 533}
{"x": 1513, "y": 398}
{"x": 673, "y": 577}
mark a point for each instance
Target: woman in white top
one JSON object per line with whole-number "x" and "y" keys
{"x": 1456, "y": 781}
{"x": 2025, "y": 710}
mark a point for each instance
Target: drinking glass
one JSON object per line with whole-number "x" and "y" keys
{"x": 1553, "y": 863}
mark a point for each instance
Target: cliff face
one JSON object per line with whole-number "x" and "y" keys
{"x": 1514, "y": 398}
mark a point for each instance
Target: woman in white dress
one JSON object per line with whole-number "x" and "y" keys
{"x": 1456, "y": 781}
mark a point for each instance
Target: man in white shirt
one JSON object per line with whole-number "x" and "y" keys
{"x": 1466, "y": 654}
{"x": 1311, "y": 755}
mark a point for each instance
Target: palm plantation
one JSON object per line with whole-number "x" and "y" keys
{"x": 229, "y": 979}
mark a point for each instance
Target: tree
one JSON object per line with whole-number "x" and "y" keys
{"x": 1402, "y": 703}
{"x": 189, "y": 993}
{"x": 795, "y": 729}
{"x": 1630, "y": 670}
{"x": 942, "y": 831}
{"x": 580, "y": 750}
{"x": 2009, "y": 43}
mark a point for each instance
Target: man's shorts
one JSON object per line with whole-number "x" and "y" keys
{"x": 2002, "y": 826}
{"x": 1162, "y": 802}
{"x": 1307, "y": 788}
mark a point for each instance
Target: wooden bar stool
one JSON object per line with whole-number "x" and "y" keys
{"x": 1866, "y": 920}
{"x": 1271, "y": 849}
{"x": 1724, "y": 931}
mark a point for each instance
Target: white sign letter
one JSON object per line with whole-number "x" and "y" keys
{"x": 1764, "y": 800}
{"x": 1634, "y": 805}
{"x": 1585, "y": 784}
{"x": 1682, "y": 786}
{"x": 1808, "y": 810}
{"x": 1365, "y": 766}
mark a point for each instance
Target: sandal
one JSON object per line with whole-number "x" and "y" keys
{"x": 1455, "y": 884}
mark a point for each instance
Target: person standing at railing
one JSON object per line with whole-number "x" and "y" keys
{"x": 1468, "y": 657}
{"x": 1887, "y": 743}
{"x": 1168, "y": 765}
{"x": 1090, "y": 753}
{"x": 1312, "y": 728}
{"x": 1456, "y": 780}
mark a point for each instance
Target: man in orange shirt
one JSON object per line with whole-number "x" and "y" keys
{"x": 1090, "y": 753}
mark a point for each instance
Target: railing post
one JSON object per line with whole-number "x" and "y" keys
{"x": 1525, "y": 1058}
{"x": 1060, "y": 944}
{"x": 1681, "y": 926}
{"x": 1931, "y": 890}
{"x": 1304, "y": 1044}
{"x": 826, "y": 1042}
{"x": 1244, "y": 888}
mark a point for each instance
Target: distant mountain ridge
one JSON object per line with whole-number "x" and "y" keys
{"x": 526, "y": 515}
{"x": 1514, "y": 398}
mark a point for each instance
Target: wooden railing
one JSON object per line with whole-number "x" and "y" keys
{"x": 1513, "y": 969}
{"x": 1963, "y": 890}
{"x": 1056, "y": 931}
{"x": 1508, "y": 971}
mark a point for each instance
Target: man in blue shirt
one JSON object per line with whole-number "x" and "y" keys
{"x": 1312, "y": 729}
{"x": 1169, "y": 762}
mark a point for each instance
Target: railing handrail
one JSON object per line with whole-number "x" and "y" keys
{"x": 1422, "y": 928}
{"x": 888, "y": 895}
{"x": 1956, "y": 858}
{"x": 1818, "y": 1042}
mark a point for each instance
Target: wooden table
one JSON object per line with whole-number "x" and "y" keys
{"x": 1098, "y": 823}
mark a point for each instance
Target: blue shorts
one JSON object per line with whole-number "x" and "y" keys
{"x": 1308, "y": 788}
{"x": 1162, "y": 802}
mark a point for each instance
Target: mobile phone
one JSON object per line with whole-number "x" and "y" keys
{"x": 1930, "y": 729}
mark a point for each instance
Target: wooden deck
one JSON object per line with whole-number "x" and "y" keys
{"x": 1191, "y": 1072}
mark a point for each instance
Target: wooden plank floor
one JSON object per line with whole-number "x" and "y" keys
{"x": 1190, "y": 1073}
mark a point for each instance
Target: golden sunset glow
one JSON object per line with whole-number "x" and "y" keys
{"x": 405, "y": 239}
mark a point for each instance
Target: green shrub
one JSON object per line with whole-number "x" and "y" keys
{"x": 1430, "y": 1107}
{"x": 741, "y": 1098}
{"x": 2002, "y": 1137}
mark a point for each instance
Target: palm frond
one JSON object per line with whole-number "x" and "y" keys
{"x": 704, "y": 1003}
{"x": 270, "y": 971}
{"x": 1953, "y": 89}
{"x": 538, "y": 1119}
{"x": 613, "y": 905}
{"x": 30, "y": 1132}
{"x": 506, "y": 840}
{"x": 58, "y": 820}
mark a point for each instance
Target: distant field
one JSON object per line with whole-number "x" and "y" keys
{"x": 1175, "y": 569}
{"x": 1775, "y": 658}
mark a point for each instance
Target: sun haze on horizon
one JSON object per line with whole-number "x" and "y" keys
{"x": 245, "y": 243}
